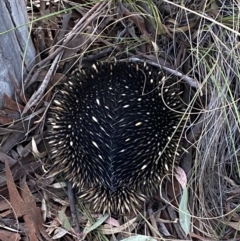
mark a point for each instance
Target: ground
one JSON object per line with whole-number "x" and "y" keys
{"x": 197, "y": 43}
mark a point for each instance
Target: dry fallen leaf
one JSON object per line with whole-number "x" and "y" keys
{"x": 6, "y": 235}
{"x": 11, "y": 104}
{"x": 181, "y": 177}
{"x": 126, "y": 226}
{"x": 24, "y": 205}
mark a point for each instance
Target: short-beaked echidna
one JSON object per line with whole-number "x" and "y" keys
{"x": 114, "y": 132}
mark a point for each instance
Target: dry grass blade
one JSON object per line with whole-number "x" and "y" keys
{"x": 196, "y": 43}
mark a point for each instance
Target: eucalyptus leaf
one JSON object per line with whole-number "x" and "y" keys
{"x": 139, "y": 238}
{"x": 184, "y": 215}
{"x": 97, "y": 223}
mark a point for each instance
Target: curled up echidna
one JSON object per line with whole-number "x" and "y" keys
{"x": 114, "y": 133}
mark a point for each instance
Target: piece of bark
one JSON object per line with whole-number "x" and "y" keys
{"x": 17, "y": 52}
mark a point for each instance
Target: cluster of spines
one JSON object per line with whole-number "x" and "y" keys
{"x": 124, "y": 199}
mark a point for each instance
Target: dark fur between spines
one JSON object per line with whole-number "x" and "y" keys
{"x": 114, "y": 132}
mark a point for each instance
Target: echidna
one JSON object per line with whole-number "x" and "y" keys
{"x": 114, "y": 132}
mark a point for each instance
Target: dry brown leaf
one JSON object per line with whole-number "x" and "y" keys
{"x": 4, "y": 120}
{"x": 6, "y": 235}
{"x": 11, "y": 104}
{"x": 16, "y": 201}
{"x": 25, "y": 207}
{"x": 126, "y": 226}
{"x": 4, "y": 205}
{"x": 34, "y": 218}
{"x": 18, "y": 204}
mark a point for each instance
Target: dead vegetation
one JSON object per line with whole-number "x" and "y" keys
{"x": 195, "y": 41}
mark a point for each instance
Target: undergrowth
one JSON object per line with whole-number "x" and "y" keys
{"x": 195, "y": 42}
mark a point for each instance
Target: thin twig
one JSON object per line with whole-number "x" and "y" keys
{"x": 176, "y": 73}
{"x": 37, "y": 95}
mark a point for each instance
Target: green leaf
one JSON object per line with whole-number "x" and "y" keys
{"x": 139, "y": 238}
{"x": 97, "y": 224}
{"x": 184, "y": 215}
{"x": 65, "y": 223}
